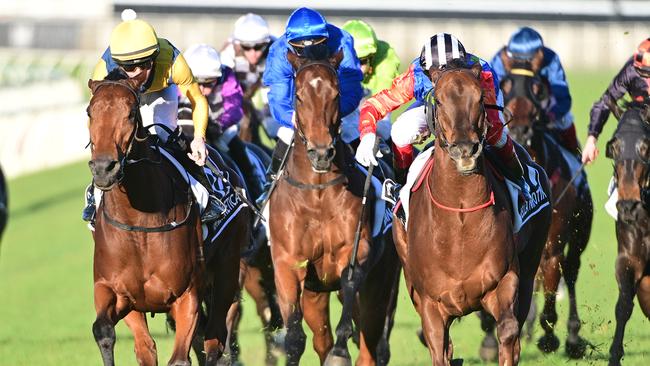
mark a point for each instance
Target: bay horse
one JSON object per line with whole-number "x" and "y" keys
{"x": 256, "y": 269}
{"x": 525, "y": 93}
{"x": 313, "y": 218}
{"x": 149, "y": 254}
{"x": 630, "y": 150}
{"x": 460, "y": 253}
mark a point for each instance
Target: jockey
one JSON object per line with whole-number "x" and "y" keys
{"x": 411, "y": 126}
{"x": 634, "y": 79}
{"x": 526, "y": 46}
{"x": 246, "y": 52}
{"x": 307, "y": 33}
{"x": 379, "y": 64}
{"x": 136, "y": 50}
{"x": 224, "y": 95}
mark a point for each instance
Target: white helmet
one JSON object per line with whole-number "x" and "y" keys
{"x": 204, "y": 61}
{"x": 252, "y": 29}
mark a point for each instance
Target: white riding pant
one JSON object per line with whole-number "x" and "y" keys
{"x": 160, "y": 107}
{"x": 411, "y": 126}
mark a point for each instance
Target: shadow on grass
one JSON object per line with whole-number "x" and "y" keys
{"x": 47, "y": 202}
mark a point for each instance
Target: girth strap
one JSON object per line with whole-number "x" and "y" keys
{"x": 340, "y": 179}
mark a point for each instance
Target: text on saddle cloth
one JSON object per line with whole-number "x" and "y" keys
{"x": 523, "y": 211}
{"x": 222, "y": 191}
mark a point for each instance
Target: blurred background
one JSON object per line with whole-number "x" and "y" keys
{"x": 48, "y": 50}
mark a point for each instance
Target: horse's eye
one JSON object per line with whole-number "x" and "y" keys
{"x": 643, "y": 149}
{"x": 88, "y": 111}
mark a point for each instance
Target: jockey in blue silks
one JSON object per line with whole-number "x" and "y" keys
{"x": 308, "y": 34}
{"x": 527, "y": 45}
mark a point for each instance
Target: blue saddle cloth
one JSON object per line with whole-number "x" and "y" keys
{"x": 260, "y": 162}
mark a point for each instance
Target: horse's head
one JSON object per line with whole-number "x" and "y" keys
{"x": 317, "y": 108}
{"x": 630, "y": 150}
{"x": 114, "y": 121}
{"x": 459, "y": 116}
{"x": 524, "y": 94}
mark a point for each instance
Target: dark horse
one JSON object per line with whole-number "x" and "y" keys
{"x": 524, "y": 95}
{"x": 460, "y": 253}
{"x": 313, "y": 217}
{"x": 149, "y": 254}
{"x": 4, "y": 202}
{"x": 630, "y": 150}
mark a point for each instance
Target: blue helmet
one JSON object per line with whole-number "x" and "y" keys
{"x": 305, "y": 23}
{"x": 524, "y": 43}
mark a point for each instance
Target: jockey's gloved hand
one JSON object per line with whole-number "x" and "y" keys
{"x": 365, "y": 154}
{"x": 199, "y": 151}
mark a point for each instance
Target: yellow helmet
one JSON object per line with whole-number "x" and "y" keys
{"x": 133, "y": 41}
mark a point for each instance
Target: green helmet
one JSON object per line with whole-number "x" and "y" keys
{"x": 365, "y": 40}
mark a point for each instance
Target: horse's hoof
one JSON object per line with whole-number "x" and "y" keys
{"x": 489, "y": 351}
{"x": 180, "y": 363}
{"x": 548, "y": 343}
{"x": 457, "y": 362}
{"x": 576, "y": 350}
{"x": 333, "y": 360}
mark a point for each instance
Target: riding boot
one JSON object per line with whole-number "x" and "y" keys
{"x": 215, "y": 208}
{"x": 277, "y": 159}
{"x": 88, "y": 213}
{"x": 240, "y": 156}
{"x": 516, "y": 173}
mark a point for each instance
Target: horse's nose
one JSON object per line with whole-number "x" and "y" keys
{"x": 321, "y": 153}
{"x": 463, "y": 150}
{"x": 629, "y": 211}
{"x": 104, "y": 168}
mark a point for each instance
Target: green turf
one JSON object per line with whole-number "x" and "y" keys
{"x": 46, "y": 307}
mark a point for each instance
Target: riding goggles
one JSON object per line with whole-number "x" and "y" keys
{"x": 253, "y": 46}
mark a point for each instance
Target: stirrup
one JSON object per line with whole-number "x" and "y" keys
{"x": 214, "y": 210}
{"x": 390, "y": 191}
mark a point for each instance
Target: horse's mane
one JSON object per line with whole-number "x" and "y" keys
{"x": 116, "y": 75}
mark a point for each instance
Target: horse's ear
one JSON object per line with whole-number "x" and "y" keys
{"x": 536, "y": 62}
{"x": 507, "y": 61}
{"x": 93, "y": 84}
{"x": 476, "y": 69}
{"x": 434, "y": 74}
{"x": 335, "y": 60}
{"x": 506, "y": 85}
{"x": 295, "y": 60}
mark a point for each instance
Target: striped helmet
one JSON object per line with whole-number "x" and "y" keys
{"x": 439, "y": 50}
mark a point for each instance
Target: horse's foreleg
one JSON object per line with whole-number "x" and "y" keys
{"x": 339, "y": 355}
{"x": 575, "y": 345}
{"x": 643, "y": 294}
{"x": 109, "y": 311}
{"x": 489, "y": 351}
{"x": 185, "y": 311}
{"x": 502, "y": 304}
{"x": 145, "y": 346}
{"x": 552, "y": 261}
{"x": 289, "y": 273}
{"x": 435, "y": 327}
{"x": 626, "y": 276}
{"x": 315, "y": 307}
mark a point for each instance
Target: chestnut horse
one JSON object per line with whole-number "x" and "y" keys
{"x": 313, "y": 218}
{"x": 524, "y": 95}
{"x": 149, "y": 254}
{"x": 630, "y": 150}
{"x": 460, "y": 253}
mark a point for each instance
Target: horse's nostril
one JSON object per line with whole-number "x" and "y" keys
{"x": 331, "y": 152}
{"x": 111, "y": 166}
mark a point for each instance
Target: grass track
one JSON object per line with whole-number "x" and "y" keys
{"x": 46, "y": 304}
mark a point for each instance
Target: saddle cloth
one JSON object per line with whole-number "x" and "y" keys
{"x": 222, "y": 191}
{"x": 523, "y": 210}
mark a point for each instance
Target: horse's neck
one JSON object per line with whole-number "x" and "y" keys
{"x": 454, "y": 189}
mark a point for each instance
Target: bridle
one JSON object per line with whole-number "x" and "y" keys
{"x": 334, "y": 130}
{"x": 136, "y": 118}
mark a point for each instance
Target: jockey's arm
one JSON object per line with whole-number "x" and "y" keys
{"x": 559, "y": 87}
{"x": 232, "y": 95}
{"x": 278, "y": 76}
{"x": 350, "y": 78}
{"x": 183, "y": 78}
{"x": 379, "y": 105}
{"x": 601, "y": 109}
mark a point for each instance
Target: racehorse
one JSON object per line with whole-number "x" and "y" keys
{"x": 630, "y": 150}
{"x": 459, "y": 251}
{"x": 256, "y": 267}
{"x": 4, "y": 198}
{"x": 525, "y": 93}
{"x": 313, "y": 217}
{"x": 149, "y": 254}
